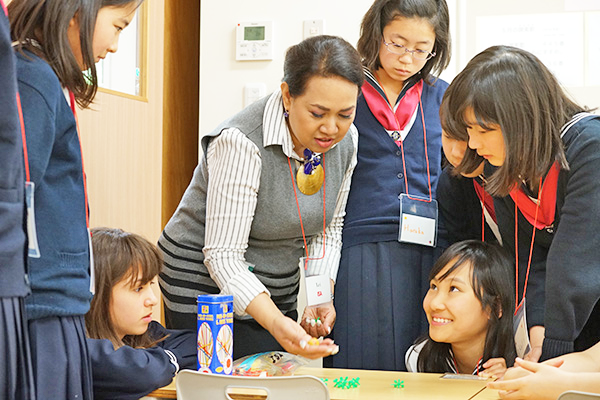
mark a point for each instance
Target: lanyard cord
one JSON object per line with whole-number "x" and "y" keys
{"x": 482, "y": 222}
{"x": 475, "y": 371}
{"x": 300, "y": 215}
{"x": 25, "y": 155}
{"x": 517, "y": 304}
{"x": 426, "y": 157}
{"x": 402, "y": 149}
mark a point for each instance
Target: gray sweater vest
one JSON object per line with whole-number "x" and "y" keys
{"x": 275, "y": 244}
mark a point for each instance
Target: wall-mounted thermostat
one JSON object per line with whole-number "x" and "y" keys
{"x": 254, "y": 41}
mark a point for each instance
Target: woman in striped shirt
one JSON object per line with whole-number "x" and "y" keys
{"x": 270, "y": 189}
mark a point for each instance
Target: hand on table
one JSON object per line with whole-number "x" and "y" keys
{"x": 294, "y": 339}
{"x": 318, "y": 320}
{"x": 530, "y": 380}
{"x": 494, "y": 368}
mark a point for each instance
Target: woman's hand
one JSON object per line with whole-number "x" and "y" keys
{"x": 531, "y": 381}
{"x": 494, "y": 368}
{"x": 318, "y": 320}
{"x": 294, "y": 339}
{"x": 288, "y": 333}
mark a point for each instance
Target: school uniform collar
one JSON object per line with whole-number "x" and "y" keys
{"x": 275, "y": 129}
{"x": 372, "y": 80}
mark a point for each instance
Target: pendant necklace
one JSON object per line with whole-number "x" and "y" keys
{"x": 310, "y": 177}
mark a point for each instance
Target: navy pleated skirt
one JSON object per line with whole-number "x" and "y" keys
{"x": 61, "y": 364}
{"x": 379, "y": 303}
{"x": 16, "y": 374}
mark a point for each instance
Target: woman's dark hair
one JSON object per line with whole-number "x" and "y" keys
{"x": 382, "y": 12}
{"x": 119, "y": 255}
{"x": 509, "y": 87}
{"x": 325, "y": 56}
{"x": 46, "y": 22}
{"x": 491, "y": 279}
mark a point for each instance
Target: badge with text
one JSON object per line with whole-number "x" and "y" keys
{"x": 418, "y": 220}
{"x": 318, "y": 289}
{"x": 520, "y": 330}
{"x": 34, "y": 249}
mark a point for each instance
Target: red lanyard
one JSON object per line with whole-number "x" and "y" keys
{"x": 487, "y": 203}
{"x": 300, "y": 215}
{"x": 475, "y": 371}
{"x": 402, "y": 149}
{"x": 517, "y": 303}
{"x": 26, "y": 156}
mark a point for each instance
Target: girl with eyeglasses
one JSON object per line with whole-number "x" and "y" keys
{"x": 385, "y": 263}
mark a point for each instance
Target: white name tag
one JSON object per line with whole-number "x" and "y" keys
{"x": 318, "y": 289}
{"x": 34, "y": 249}
{"x": 419, "y": 230}
{"x": 521, "y": 332}
{"x": 418, "y": 220}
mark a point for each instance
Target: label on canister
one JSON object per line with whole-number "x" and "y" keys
{"x": 215, "y": 334}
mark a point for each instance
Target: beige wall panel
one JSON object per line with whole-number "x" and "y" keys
{"x": 122, "y": 146}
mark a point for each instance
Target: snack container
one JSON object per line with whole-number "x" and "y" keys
{"x": 215, "y": 334}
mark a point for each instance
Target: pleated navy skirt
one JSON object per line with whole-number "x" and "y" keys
{"x": 61, "y": 364}
{"x": 379, "y": 303}
{"x": 16, "y": 374}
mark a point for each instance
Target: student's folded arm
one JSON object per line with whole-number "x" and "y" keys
{"x": 182, "y": 343}
{"x": 128, "y": 373}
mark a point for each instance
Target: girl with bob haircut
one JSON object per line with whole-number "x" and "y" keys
{"x": 541, "y": 157}
{"x": 469, "y": 308}
{"x": 256, "y": 205}
{"x": 55, "y": 42}
{"x": 404, "y": 45}
{"x": 139, "y": 355}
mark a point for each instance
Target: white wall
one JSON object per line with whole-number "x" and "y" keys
{"x": 222, "y": 78}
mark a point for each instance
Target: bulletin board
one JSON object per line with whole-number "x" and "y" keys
{"x": 562, "y": 33}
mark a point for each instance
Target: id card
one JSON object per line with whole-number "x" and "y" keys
{"x": 520, "y": 331}
{"x": 92, "y": 270}
{"x": 318, "y": 289}
{"x": 418, "y": 220}
{"x": 34, "y": 249}
{"x": 463, "y": 377}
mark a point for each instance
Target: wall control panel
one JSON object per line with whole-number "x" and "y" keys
{"x": 254, "y": 41}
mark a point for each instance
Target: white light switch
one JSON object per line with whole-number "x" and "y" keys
{"x": 313, "y": 27}
{"x": 254, "y": 92}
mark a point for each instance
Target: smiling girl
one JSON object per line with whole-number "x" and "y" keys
{"x": 468, "y": 307}
{"x": 55, "y": 42}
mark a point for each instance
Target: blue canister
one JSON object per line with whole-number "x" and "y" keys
{"x": 215, "y": 334}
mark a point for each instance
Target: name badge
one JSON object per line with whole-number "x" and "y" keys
{"x": 520, "y": 331}
{"x": 34, "y": 249}
{"x": 418, "y": 220}
{"x": 318, "y": 289}
{"x": 92, "y": 270}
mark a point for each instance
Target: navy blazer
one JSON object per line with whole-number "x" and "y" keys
{"x": 12, "y": 234}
